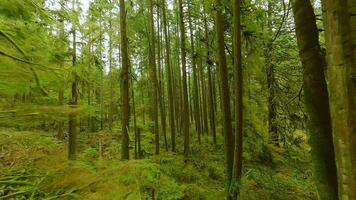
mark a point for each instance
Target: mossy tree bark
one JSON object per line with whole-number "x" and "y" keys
{"x": 237, "y": 170}
{"x": 153, "y": 77}
{"x": 340, "y": 37}
{"x": 224, "y": 87}
{"x": 316, "y": 100}
{"x": 197, "y": 115}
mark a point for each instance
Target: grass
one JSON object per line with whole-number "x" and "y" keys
{"x": 34, "y": 166}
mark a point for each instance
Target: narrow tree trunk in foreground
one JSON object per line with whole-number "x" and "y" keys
{"x": 224, "y": 86}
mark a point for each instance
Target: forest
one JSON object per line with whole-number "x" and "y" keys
{"x": 178, "y": 99}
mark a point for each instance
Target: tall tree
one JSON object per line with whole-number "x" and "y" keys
{"x": 72, "y": 140}
{"x": 271, "y": 79}
{"x": 160, "y": 90}
{"x": 185, "y": 101}
{"x": 236, "y": 6}
{"x": 210, "y": 79}
{"x": 340, "y": 37}
{"x": 153, "y": 76}
{"x": 125, "y": 87}
{"x": 61, "y": 134}
{"x": 196, "y": 98}
{"x": 169, "y": 74}
{"x": 316, "y": 100}
{"x": 224, "y": 87}
{"x": 111, "y": 79}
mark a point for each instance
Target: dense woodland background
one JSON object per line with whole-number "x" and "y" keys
{"x": 181, "y": 100}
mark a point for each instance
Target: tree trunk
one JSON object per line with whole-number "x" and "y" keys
{"x": 224, "y": 86}
{"x": 134, "y": 115}
{"x": 125, "y": 87}
{"x": 340, "y": 37}
{"x": 195, "y": 78}
{"x": 185, "y": 106}
{"x": 239, "y": 98}
{"x": 316, "y": 100}
{"x": 72, "y": 140}
{"x": 271, "y": 82}
{"x": 153, "y": 77}
{"x": 210, "y": 80}
{"x": 169, "y": 75}
{"x": 160, "y": 83}
{"x": 111, "y": 81}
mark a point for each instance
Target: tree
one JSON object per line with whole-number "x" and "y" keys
{"x": 169, "y": 74}
{"x": 72, "y": 140}
{"x": 197, "y": 116}
{"x": 125, "y": 88}
{"x": 316, "y": 100}
{"x": 225, "y": 97}
{"x": 210, "y": 79}
{"x": 271, "y": 80}
{"x": 339, "y": 22}
{"x": 237, "y": 170}
{"x": 185, "y": 102}
{"x": 153, "y": 76}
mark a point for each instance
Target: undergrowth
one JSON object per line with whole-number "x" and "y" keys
{"x": 34, "y": 166}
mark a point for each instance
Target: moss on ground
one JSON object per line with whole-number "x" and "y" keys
{"x": 34, "y": 166}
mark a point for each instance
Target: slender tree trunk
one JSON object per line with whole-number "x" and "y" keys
{"x": 134, "y": 116}
{"x": 125, "y": 87}
{"x": 195, "y": 78}
{"x": 316, "y": 100}
{"x": 224, "y": 86}
{"x": 169, "y": 74}
{"x": 340, "y": 37}
{"x": 60, "y": 134}
{"x": 101, "y": 79}
{"x": 272, "y": 109}
{"x": 90, "y": 125}
{"x": 185, "y": 106}
{"x": 153, "y": 77}
{"x": 111, "y": 81}
{"x": 237, "y": 171}
{"x": 72, "y": 140}
{"x": 210, "y": 80}
{"x": 161, "y": 83}
{"x": 204, "y": 98}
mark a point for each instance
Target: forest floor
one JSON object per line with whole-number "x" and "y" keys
{"x": 34, "y": 166}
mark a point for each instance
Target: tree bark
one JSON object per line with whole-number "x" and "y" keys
{"x": 224, "y": 86}
{"x": 197, "y": 117}
{"x": 339, "y": 22}
{"x": 271, "y": 81}
{"x": 316, "y": 100}
{"x": 153, "y": 77}
{"x": 237, "y": 170}
{"x": 161, "y": 82}
{"x": 72, "y": 140}
{"x": 169, "y": 74}
{"x": 185, "y": 107}
{"x": 210, "y": 80}
{"x": 125, "y": 87}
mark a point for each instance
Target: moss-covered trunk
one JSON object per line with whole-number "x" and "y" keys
{"x": 316, "y": 100}
{"x": 340, "y": 41}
